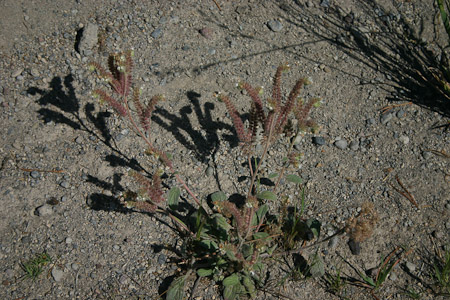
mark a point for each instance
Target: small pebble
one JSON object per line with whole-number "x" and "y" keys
{"x": 333, "y": 242}
{"x": 44, "y": 210}
{"x": 400, "y": 113}
{"x": 57, "y": 274}
{"x": 318, "y": 140}
{"x": 393, "y": 276}
{"x": 325, "y": 3}
{"x": 341, "y": 144}
{"x": 354, "y": 145}
{"x": 275, "y": 25}
{"x": 157, "y": 33}
{"x": 404, "y": 139}
{"x": 410, "y": 266}
{"x": 75, "y": 266}
{"x": 385, "y": 118}
{"x": 209, "y": 171}
{"x": 207, "y": 33}
{"x": 35, "y": 174}
{"x": 161, "y": 259}
{"x": 355, "y": 247}
{"x": 64, "y": 184}
{"x": 370, "y": 122}
{"x": 427, "y": 154}
{"x": 69, "y": 240}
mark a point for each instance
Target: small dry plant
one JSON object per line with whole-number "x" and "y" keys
{"x": 224, "y": 241}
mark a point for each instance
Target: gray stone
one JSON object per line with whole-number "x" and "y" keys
{"x": 157, "y": 33}
{"x": 410, "y": 266}
{"x": 89, "y": 38}
{"x": 161, "y": 259}
{"x": 44, "y": 210}
{"x": 57, "y": 274}
{"x": 385, "y": 118}
{"x": 275, "y": 25}
{"x": 318, "y": 140}
{"x": 427, "y": 154}
{"x": 35, "y": 174}
{"x": 393, "y": 276}
{"x": 341, "y": 144}
{"x": 404, "y": 139}
{"x": 325, "y": 3}
{"x": 354, "y": 145}
{"x": 75, "y": 266}
{"x": 209, "y": 171}
{"x": 64, "y": 184}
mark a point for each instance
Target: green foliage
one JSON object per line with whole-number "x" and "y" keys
{"x": 226, "y": 242}
{"x": 34, "y": 267}
{"x": 442, "y": 272}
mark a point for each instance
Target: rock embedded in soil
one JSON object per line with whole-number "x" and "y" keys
{"x": 44, "y": 210}
{"x": 57, "y": 274}
{"x": 89, "y": 38}
{"x": 341, "y": 144}
{"x": 355, "y": 247}
{"x": 275, "y": 25}
{"x": 318, "y": 140}
{"x": 385, "y": 118}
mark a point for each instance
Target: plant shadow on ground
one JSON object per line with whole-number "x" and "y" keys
{"x": 60, "y": 105}
{"x": 395, "y": 50}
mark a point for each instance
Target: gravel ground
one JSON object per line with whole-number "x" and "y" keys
{"x": 65, "y": 158}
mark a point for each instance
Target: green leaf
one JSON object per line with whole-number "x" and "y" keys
{"x": 247, "y": 250}
{"x": 261, "y": 212}
{"x": 294, "y": 178}
{"x": 273, "y": 175}
{"x": 176, "y": 289}
{"x": 221, "y": 222}
{"x": 209, "y": 244}
{"x": 174, "y": 195}
{"x": 317, "y": 266}
{"x": 232, "y": 292}
{"x": 218, "y": 196}
{"x": 260, "y": 235}
{"x": 267, "y": 195}
{"x": 204, "y": 272}
{"x": 233, "y": 279}
{"x": 249, "y": 286}
{"x": 314, "y": 225}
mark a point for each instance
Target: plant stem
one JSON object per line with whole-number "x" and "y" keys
{"x": 149, "y": 143}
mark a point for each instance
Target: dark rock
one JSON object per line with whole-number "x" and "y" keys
{"x": 355, "y": 247}
{"x": 318, "y": 140}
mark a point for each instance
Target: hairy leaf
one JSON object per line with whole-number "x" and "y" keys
{"x": 267, "y": 195}
{"x": 294, "y": 178}
{"x": 174, "y": 195}
{"x": 261, "y": 212}
{"x": 218, "y": 196}
{"x": 314, "y": 225}
{"x": 317, "y": 266}
{"x": 233, "y": 279}
{"x": 273, "y": 175}
{"x": 176, "y": 289}
{"x": 204, "y": 272}
{"x": 249, "y": 286}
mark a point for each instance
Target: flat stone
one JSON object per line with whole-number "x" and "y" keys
{"x": 275, "y": 25}
{"x": 385, "y": 118}
{"x": 89, "y": 38}
{"x": 44, "y": 210}
{"x": 341, "y": 144}
{"x": 318, "y": 140}
{"x": 410, "y": 266}
{"x": 57, "y": 274}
